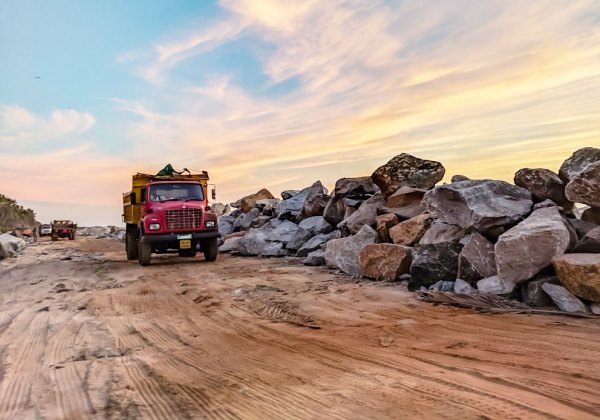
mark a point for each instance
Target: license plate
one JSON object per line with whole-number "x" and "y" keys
{"x": 185, "y": 244}
{"x": 188, "y": 236}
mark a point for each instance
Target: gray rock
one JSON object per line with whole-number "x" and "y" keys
{"x": 585, "y": 186}
{"x": 343, "y": 253}
{"x": 528, "y": 247}
{"x": 221, "y": 209}
{"x": 533, "y": 294}
{"x": 365, "y": 215}
{"x": 458, "y": 178}
{"x": 353, "y": 202}
{"x": 443, "y": 286}
{"x": 463, "y": 288}
{"x": 246, "y": 220}
{"x": 480, "y": 205}
{"x": 432, "y": 263}
{"x": 581, "y": 227}
{"x": 543, "y": 185}
{"x": 564, "y": 299}
{"x": 578, "y": 162}
{"x": 495, "y": 286}
{"x": 230, "y": 244}
{"x": 287, "y": 194}
{"x": 284, "y": 232}
{"x": 335, "y": 210}
{"x": 316, "y": 201}
{"x": 476, "y": 260}
{"x": 440, "y": 232}
{"x": 316, "y": 225}
{"x": 254, "y": 242}
{"x": 312, "y": 244}
{"x": 315, "y": 258}
{"x": 274, "y": 223}
{"x": 544, "y": 204}
{"x": 11, "y": 246}
{"x": 361, "y": 186}
{"x": 292, "y": 207}
{"x": 273, "y": 249}
{"x": 405, "y": 170}
{"x": 299, "y": 239}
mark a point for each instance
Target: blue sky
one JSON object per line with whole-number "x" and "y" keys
{"x": 278, "y": 94}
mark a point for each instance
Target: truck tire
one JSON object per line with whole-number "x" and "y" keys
{"x": 210, "y": 247}
{"x": 144, "y": 252}
{"x": 131, "y": 246}
{"x": 54, "y": 236}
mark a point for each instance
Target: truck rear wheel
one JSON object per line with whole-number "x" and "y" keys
{"x": 144, "y": 252}
{"x": 131, "y": 246}
{"x": 210, "y": 247}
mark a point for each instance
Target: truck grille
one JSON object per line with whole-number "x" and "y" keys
{"x": 180, "y": 219}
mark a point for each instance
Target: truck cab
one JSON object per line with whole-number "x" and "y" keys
{"x": 169, "y": 214}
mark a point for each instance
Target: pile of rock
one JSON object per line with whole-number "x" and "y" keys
{"x": 527, "y": 240}
{"x": 102, "y": 232}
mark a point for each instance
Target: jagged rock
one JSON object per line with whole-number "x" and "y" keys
{"x": 410, "y": 231}
{"x": 316, "y": 201}
{"x": 349, "y": 212}
{"x": 312, "y": 244}
{"x": 590, "y": 243}
{"x": 230, "y": 244}
{"x": 458, "y": 178}
{"x": 563, "y": 298}
{"x": 384, "y": 223}
{"x": 439, "y": 232}
{"x": 273, "y": 223}
{"x": 495, "y": 286}
{"x": 580, "y": 274}
{"x": 10, "y": 246}
{"x": 249, "y": 202}
{"x": 287, "y": 194}
{"x": 543, "y": 185}
{"x": 432, "y": 263}
{"x": 463, "y": 288}
{"x": 283, "y": 233}
{"x": 404, "y": 203}
{"x": 405, "y": 170}
{"x": 260, "y": 221}
{"x": 273, "y": 249}
{"x": 385, "y": 261}
{"x": 443, "y": 286}
{"x": 246, "y": 219}
{"x": 476, "y": 260}
{"x": 292, "y": 207}
{"x": 591, "y": 215}
{"x": 544, "y": 204}
{"x": 268, "y": 205}
{"x": 221, "y": 209}
{"x": 299, "y": 239}
{"x": 578, "y": 161}
{"x": 361, "y": 186}
{"x": 365, "y": 215}
{"x": 585, "y": 186}
{"x": 316, "y": 225}
{"x": 254, "y": 242}
{"x": 343, "y": 253}
{"x": 528, "y": 247}
{"x": 533, "y": 294}
{"x": 335, "y": 210}
{"x": 353, "y": 202}
{"x": 480, "y": 205}
{"x": 315, "y": 258}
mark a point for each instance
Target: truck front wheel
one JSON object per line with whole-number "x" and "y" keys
{"x": 210, "y": 247}
{"x": 131, "y": 246}
{"x": 144, "y": 252}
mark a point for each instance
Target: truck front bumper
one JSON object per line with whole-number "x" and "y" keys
{"x": 166, "y": 237}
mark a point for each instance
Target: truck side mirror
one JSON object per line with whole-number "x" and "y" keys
{"x": 132, "y": 198}
{"x": 214, "y": 193}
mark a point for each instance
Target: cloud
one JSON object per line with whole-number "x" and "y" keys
{"x": 18, "y": 124}
{"x": 486, "y": 88}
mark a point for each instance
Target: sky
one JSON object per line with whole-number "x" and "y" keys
{"x": 278, "y": 94}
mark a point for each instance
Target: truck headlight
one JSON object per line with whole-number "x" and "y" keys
{"x": 154, "y": 226}
{"x": 210, "y": 223}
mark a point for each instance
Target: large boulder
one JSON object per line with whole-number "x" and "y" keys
{"x": 10, "y": 246}
{"x": 476, "y": 260}
{"x": 585, "y": 186}
{"x": 565, "y": 300}
{"x": 580, "y": 274}
{"x": 384, "y": 223}
{"x": 527, "y": 248}
{"x": 225, "y": 224}
{"x": 385, "y": 261}
{"x": 289, "y": 194}
{"x": 480, "y": 205}
{"x": 273, "y": 249}
{"x": 404, "y": 203}
{"x": 284, "y": 232}
{"x": 405, "y": 170}
{"x": 495, "y": 285}
{"x": 221, "y": 209}
{"x": 312, "y": 244}
{"x": 432, "y": 263}
{"x": 249, "y": 202}
{"x": 291, "y": 208}
{"x": 578, "y": 161}
{"x": 247, "y": 219}
{"x": 343, "y": 253}
{"x": 316, "y": 201}
{"x": 543, "y": 185}
{"x": 316, "y": 225}
{"x": 365, "y": 215}
{"x": 230, "y": 244}
{"x": 315, "y": 258}
{"x": 300, "y": 238}
{"x": 254, "y": 242}
{"x": 350, "y": 187}
{"x": 410, "y": 231}
{"x": 335, "y": 210}
{"x": 440, "y": 232}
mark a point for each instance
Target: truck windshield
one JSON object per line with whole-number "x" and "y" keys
{"x": 173, "y": 192}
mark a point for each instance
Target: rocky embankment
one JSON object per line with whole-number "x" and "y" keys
{"x": 537, "y": 240}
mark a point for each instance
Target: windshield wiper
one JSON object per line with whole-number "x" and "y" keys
{"x": 193, "y": 199}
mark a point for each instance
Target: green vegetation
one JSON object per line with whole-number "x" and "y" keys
{"x": 13, "y": 215}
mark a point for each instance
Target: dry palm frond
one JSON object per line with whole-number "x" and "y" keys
{"x": 487, "y": 303}
{"x": 284, "y": 311}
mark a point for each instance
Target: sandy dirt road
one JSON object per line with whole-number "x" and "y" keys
{"x": 86, "y": 334}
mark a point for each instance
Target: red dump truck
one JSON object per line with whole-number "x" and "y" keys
{"x": 169, "y": 212}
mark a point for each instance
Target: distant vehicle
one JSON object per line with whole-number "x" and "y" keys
{"x": 63, "y": 229}
{"x": 169, "y": 211}
{"x": 45, "y": 230}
